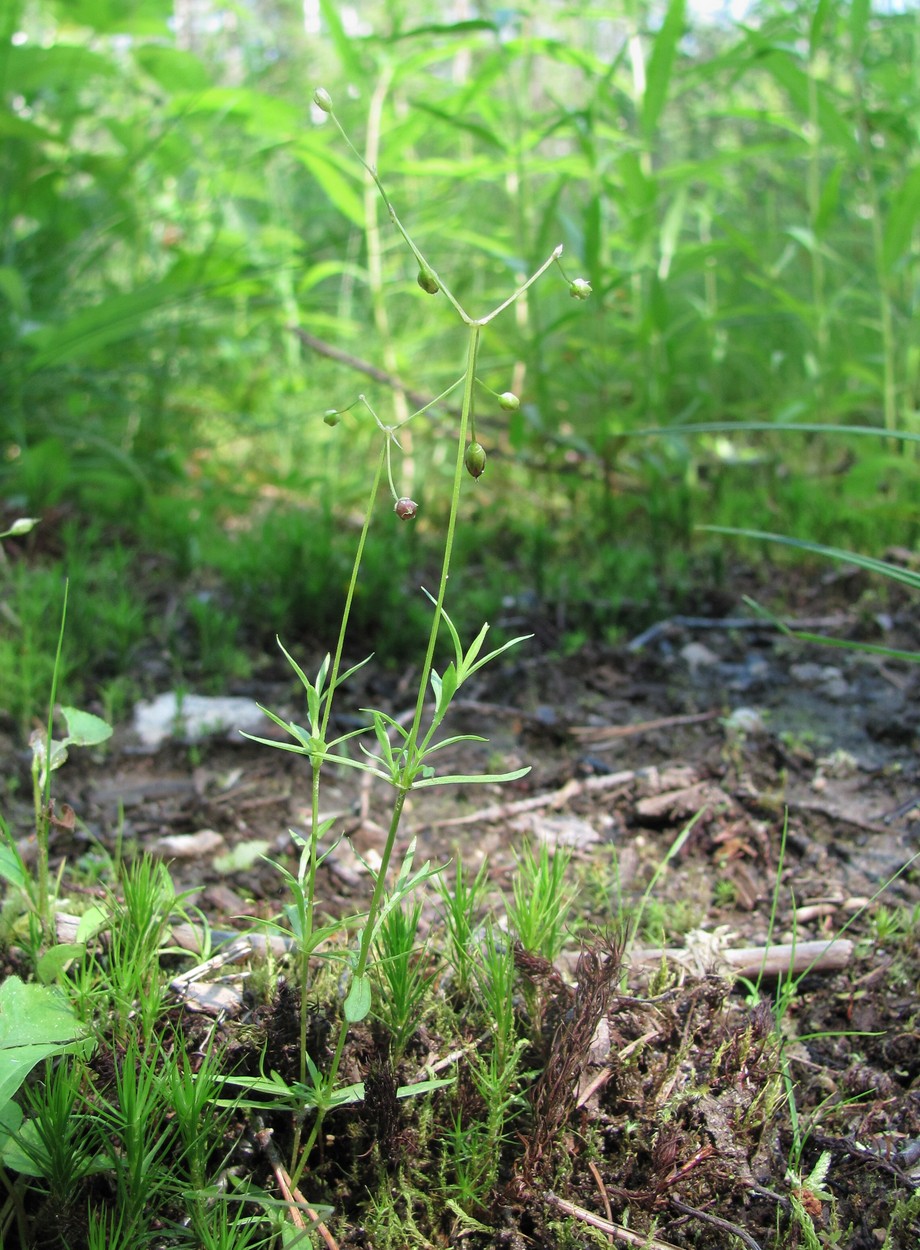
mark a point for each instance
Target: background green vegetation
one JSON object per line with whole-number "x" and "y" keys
{"x": 743, "y": 197}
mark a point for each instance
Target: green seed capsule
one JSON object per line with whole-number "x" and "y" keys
{"x": 509, "y": 401}
{"x": 427, "y": 281}
{"x": 475, "y": 459}
{"x": 580, "y": 289}
{"x": 331, "y": 416}
{"x": 322, "y": 99}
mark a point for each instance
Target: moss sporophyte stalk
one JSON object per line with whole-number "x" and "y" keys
{"x": 403, "y": 754}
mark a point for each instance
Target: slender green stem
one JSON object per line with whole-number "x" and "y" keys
{"x": 314, "y": 848}
{"x": 367, "y": 937}
{"x": 42, "y": 795}
{"x": 431, "y": 403}
{"x": 557, "y": 252}
{"x": 465, "y": 411}
{"x": 313, "y": 854}
{"x": 349, "y": 598}
{"x": 423, "y": 263}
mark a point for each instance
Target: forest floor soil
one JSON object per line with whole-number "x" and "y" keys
{"x": 672, "y": 1121}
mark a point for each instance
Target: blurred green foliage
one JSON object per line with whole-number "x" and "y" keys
{"x": 743, "y": 197}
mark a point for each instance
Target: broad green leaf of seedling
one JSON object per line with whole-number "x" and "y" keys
{"x": 10, "y": 1124}
{"x": 242, "y": 857}
{"x": 56, "y": 959}
{"x": 44, "y": 759}
{"x": 358, "y": 1000}
{"x": 84, "y": 729}
{"x": 35, "y": 1022}
{"x": 12, "y": 869}
{"x": 92, "y": 922}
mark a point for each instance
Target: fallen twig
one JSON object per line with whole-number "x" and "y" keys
{"x": 602, "y": 1190}
{"x": 554, "y": 798}
{"x": 838, "y": 812}
{"x": 770, "y": 961}
{"x": 732, "y": 623}
{"x": 716, "y": 1220}
{"x": 296, "y": 1203}
{"x": 616, "y": 1231}
{"x": 598, "y": 735}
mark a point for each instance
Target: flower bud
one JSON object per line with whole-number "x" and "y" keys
{"x": 580, "y": 289}
{"x": 322, "y": 99}
{"x": 405, "y": 508}
{"x": 427, "y": 281}
{"x": 23, "y": 525}
{"x": 475, "y": 459}
{"x": 331, "y": 416}
{"x": 509, "y": 401}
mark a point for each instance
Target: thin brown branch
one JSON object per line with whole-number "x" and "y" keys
{"x": 323, "y": 348}
{"x": 554, "y": 798}
{"x": 716, "y": 1220}
{"x": 296, "y": 1203}
{"x": 769, "y": 961}
{"x": 616, "y": 1231}
{"x": 596, "y": 735}
{"x": 602, "y": 1190}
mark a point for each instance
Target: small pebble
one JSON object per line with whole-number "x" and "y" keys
{"x": 745, "y": 720}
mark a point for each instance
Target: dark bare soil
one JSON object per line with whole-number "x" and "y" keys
{"x": 659, "y": 1110}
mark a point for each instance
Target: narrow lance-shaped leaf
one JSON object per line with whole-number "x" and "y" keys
{"x": 462, "y": 779}
{"x": 902, "y": 220}
{"x": 893, "y": 571}
{"x": 660, "y": 65}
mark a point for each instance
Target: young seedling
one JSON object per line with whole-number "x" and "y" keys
{"x": 460, "y": 907}
{"x": 542, "y": 899}
{"x": 48, "y": 754}
{"x": 403, "y": 976}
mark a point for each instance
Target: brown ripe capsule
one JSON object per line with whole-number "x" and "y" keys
{"x": 475, "y": 459}
{"x": 405, "y": 508}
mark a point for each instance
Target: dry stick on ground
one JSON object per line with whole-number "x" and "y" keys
{"x": 602, "y": 1189}
{"x": 643, "y": 1240}
{"x": 595, "y": 735}
{"x": 295, "y": 1200}
{"x": 726, "y": 1225}
{"x": 554, "y": 798}
{"x": 768, "y": 961}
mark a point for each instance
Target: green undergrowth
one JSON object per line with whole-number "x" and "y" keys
{"x": 195, "y": 596}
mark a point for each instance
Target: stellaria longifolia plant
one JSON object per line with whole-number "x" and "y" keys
{"x": 405, "y": 757}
